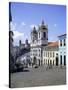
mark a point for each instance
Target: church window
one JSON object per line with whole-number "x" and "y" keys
{"x": 44, "y": 34}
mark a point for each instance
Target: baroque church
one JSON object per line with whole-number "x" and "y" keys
{"x": 39, "y": 39}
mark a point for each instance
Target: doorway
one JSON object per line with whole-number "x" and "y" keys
{"x": 60, "y": 59}
{"x": 56, "y": 61}
{"x": 50, "y": 62}
{"x": 39, "y": 62}
{"x": 64, "y": 60}
{"x": 34, "y": 61}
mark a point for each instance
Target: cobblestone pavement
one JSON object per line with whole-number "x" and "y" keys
{"x": 38, "y": 77}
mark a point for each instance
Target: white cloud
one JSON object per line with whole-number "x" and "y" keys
{"x": 55, "y": 25}
{"x": 23, "y": 24}
{"x": 18, "y": 34}
{"x": 13, "y": 26}
{"x": 15, "y": 30}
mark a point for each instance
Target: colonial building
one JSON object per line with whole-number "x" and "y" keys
{"x": 62, "y": 49}
{"x": 44, "y": 52}
{"x": 50, "y": 54}
{"x": 39, "y": 39}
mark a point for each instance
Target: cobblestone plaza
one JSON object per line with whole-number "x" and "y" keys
{"x": 31, "y": 77}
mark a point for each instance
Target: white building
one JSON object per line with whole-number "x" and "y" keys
{"x": 50, "y": 54}
{"x": 39, "y": 39}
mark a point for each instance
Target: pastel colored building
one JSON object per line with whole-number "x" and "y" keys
{"x": 62, "y": 49}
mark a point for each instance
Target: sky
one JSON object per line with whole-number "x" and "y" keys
{"x": 26, "y": 15}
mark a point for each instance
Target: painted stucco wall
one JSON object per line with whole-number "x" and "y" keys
{"x": 62, "y": 49}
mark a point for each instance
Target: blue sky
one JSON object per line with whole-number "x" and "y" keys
{"x": 26, "y": 15}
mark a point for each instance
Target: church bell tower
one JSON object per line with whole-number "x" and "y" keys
{"x": 43, "y": 34}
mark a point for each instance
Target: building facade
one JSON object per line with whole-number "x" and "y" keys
{"x": 43, "y": 52}
{"x": 62, "y": 49}
{"x": 50, "y": 54}
{"x": 39, "y": 39}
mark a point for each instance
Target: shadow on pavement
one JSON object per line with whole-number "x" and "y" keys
{"x": 16, "y": 71}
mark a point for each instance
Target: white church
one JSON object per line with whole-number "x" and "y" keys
{"x": 39, "y": 39}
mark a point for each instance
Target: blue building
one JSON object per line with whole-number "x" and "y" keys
{"x": 62, "y": 50}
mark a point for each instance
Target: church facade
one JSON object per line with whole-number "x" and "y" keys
{"x": 39, "y": 39}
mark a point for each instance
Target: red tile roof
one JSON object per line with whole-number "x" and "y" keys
{"x": 51, "y": 44}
